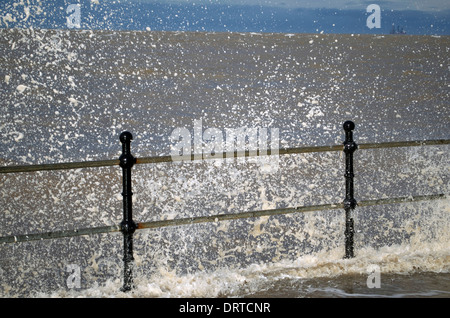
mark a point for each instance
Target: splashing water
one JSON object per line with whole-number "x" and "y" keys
{"x": 67, "y": 95}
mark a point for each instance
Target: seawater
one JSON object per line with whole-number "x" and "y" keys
{"x": 67, "y": 96}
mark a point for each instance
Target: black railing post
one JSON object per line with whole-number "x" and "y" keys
{"x": 349, "y": 203}
{"x": 127, "y": 226}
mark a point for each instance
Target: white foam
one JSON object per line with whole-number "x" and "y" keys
{"x": 237, "y": 282}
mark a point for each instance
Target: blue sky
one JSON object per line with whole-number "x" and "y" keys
{"x": 285, "y": 16}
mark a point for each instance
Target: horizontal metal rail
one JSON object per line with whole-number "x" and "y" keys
{"x": 236, "y": 154}
{"x": 59, "y": 166}
{"x": 59, "y": 234}
{"x": 212, "y": 218}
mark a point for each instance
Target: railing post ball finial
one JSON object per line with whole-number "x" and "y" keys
{"x": 126, "y": 159}
{"x": 126, "y": 136}
{"x": 349, "y": 125}
{"x": 349, "y": 145}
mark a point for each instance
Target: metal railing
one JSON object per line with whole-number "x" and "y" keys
{"x": 126, "y": 161}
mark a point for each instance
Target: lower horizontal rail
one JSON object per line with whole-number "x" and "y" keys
{"x": 211, "y": 218}
{"x": 401, "y": 200}
{"x": 59, "y": 234}
{"x": 59, "y": 166}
